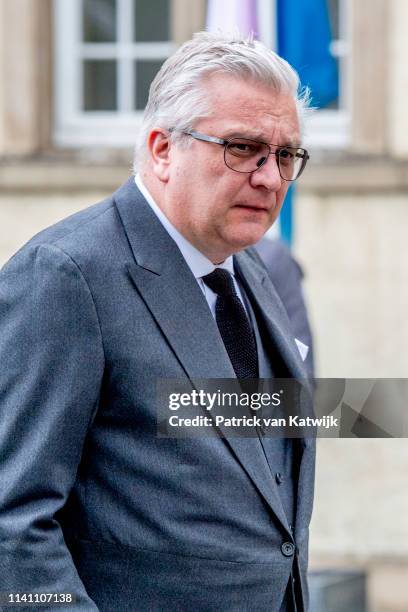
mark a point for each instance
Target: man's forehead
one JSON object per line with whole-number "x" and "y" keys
{"x": 251, "y": 109}
{"x": 226, "y": 88}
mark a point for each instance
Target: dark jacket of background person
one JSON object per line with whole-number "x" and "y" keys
{"x": 286, "y": 276}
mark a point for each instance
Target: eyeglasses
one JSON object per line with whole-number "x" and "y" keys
{"x": 245, "y": 155}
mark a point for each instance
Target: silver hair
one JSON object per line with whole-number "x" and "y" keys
{"x": 177, "y": 97}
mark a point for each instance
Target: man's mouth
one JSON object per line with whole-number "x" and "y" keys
{"x": 253, "y": 207}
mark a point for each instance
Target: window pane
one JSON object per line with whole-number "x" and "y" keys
{"x": 100, "y": 85}
{"x": 152, "y": 20}
{"x": 145, "y": 70}
{"x": 99, "y": 20}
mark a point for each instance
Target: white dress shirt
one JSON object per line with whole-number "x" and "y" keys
{"x": 198, "y": 263}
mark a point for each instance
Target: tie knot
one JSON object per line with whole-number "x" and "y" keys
{"x": 220, "y": 281}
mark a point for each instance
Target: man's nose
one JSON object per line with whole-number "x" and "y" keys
{"x": 268, "y": 175}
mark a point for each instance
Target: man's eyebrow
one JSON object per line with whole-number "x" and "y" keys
{"x": 259, "y": 137}
{"x": 244, "y": 134}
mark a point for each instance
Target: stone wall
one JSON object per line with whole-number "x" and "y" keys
{"x": 353, "y": 246}
{"x": 354, "y": 250}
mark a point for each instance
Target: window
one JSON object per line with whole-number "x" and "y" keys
{"x": 107, "y": 53}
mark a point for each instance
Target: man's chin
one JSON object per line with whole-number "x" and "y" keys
{"x": 229, "y": 243}
{"x": 248, "y": 238}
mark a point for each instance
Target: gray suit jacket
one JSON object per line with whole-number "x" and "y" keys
{"x": 93, "y": 311}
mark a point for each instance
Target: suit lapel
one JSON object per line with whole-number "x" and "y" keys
{"x": 165, "y": 283}
{"x": 168, "y": 288}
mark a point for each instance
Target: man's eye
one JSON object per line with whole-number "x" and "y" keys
{"x": 243, "y": 149}
{"x": 286, "y": 156}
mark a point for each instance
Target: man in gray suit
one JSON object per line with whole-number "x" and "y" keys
{"x": 95, "y": 508}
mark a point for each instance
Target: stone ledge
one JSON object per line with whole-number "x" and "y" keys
{"x": 41, "y": 178}
{"x": 355, "y": 175}
{"x": 78, "y": 172}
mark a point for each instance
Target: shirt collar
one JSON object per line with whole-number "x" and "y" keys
{"x": 198, "y": 263}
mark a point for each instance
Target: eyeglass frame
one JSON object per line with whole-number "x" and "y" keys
{"x": 223, "y": 142}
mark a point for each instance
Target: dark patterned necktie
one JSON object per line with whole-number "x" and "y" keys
{"x": 233, "y": 324}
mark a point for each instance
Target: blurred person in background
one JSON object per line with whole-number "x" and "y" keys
{"x": 287, "y": 275}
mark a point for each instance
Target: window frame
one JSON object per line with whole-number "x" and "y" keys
{"x": 74, "y": 127}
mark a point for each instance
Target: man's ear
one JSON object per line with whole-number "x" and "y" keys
{"x": 158, "y": 144}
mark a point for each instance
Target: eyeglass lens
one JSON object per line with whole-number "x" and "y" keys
{"x": 244, "y": 155}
